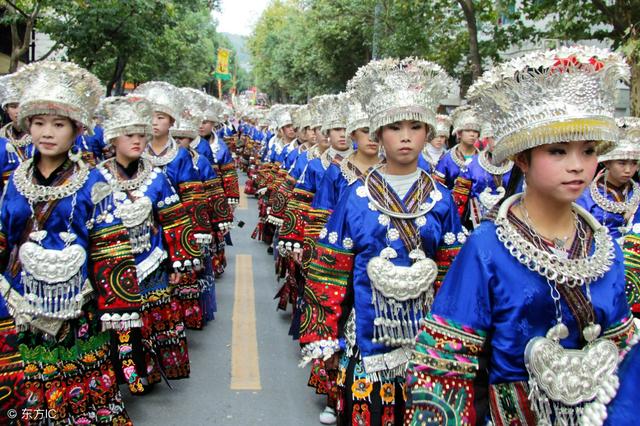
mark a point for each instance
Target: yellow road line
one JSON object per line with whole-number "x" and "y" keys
{"x": 245, "y": 367}
{"x": 242, "y": 205}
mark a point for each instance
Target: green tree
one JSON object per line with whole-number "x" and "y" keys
{"x": 617, "y": 22}
{"x": 15, "y": 14}
{"x": 135, "y": 39}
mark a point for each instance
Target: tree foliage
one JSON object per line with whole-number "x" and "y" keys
{"x": 301, "y": 48}
{"x": 136, "y": 40}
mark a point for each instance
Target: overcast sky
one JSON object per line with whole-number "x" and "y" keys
{"x": 239, "y": 16}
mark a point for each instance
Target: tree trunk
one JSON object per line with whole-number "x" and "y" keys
{"x": 634, "y": 98}
{"x": 116, "y": 79}
{"x": 474, "y": 52}
{"x": 20, "y": 44}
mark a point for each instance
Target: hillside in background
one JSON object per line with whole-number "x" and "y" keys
{"x": 238, "y": 44}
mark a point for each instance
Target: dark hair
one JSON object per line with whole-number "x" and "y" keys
{"x": 517, "y": 177}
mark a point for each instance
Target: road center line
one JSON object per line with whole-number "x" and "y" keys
{"x": 242, "y": 204}
{"x": 245, "y": 366}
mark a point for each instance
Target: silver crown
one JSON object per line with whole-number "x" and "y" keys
{"x": 334, "y": 113}
{"x": 58, "y": 88}
{"x": 443, "y": 125}
{"x": 357, "y": 118}
{"x": 628, "y": 147}
{"x": 302, "y": 117}
{"x": 486, "y": 131}
{"x": 280, "y": 115}
{"x": 392, "y": 90}
{"x": 214, "y": 109}
{"x": 125, "y": 115}
{"x": 164, "y": 97}
{"x": 465, "y": 118}
{"x": 9, "y": 93}
{"x": 191, "y": 116}
{"x": 551, "y": 96}
{"x": 316, "y": 106}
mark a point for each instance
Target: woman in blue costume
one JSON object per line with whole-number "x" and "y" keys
{"x": 143, "y": 197}
{"x": 628, "y": 153}
{"x": 466, "y": 127}
{"x": 530, "y": 321}
{"x": 436, "y": 148}
{"x": 400, "y": 222}
{"x": 15, "y": 143}
{"x": 342, "y": 174}
{"x": 297, "y": 161}
{"x": 60, "y": 273}
{"x": 186, "y": 132}
{"x": 165, "y": 153}
{"x": 299, "y": 217}
{"x": 480, "y": 187}
{"x": 336, "y": 180}
{"x": 224, "y": 167}
{"x": 223, "y": 162}
{"x": 613, "y": 196}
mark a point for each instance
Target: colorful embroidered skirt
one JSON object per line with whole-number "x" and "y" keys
{"x": 163, "y": 327}
{"x": 68, "y": 379}
{"x": 362, "y": 402}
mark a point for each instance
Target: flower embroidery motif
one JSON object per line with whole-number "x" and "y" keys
{"x": 421, "y": 221}
{"x": 361, "y": 191}
{"x": 383, "y": 220}
{"x": 347, "y": 243}
{"x": 333, "y": 237}
{"x": 387, "y": 393}
{"x": 361, "y": 388}
{"x": 449, "y": 238}
{"x": 372, "y": 207}
{"x": 393, "y": 234}
{"x": 323, "y": 233}
{"x": 462, "y": 237}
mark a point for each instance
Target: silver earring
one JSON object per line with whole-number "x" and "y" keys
{"x": 75, "y": 154}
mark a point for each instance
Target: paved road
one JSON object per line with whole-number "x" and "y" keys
{"x": 206, "y": 398}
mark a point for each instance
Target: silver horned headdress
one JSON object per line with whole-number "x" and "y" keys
{"x": 191, "y": 116}
{"x": 125, "y": 115}
{"x": 357, "y": 118}
{"x": 57, "y": 88}
{"x": 628, "y": 147}
{"x": 9, "y": 93}
{"x": 443, "y": 125}
{"x": 302, "y": 117}
{"x": 334, "y": 115}
{"x": 164, "y": 97}
{"x": 280, "y": 115}
{"x": 465, "y": 117}
{"x": 551, "y": 96}
{"x": 392, "y": 90}
{"x": 316, "y": 106}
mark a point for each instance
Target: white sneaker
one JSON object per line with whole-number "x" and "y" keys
{"x": 328, "y": 416}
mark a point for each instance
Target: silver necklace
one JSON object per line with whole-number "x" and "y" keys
{"x": 486, "y": 164}
{"x": 166, "y": 158}
{"x": 569, "y": 272}
{"x": 559, "y": 242}
{"x": 145, "y": 169}
{"x": 33, "y": 192}
{"x": 460, "y": 162}
{"x": 619, "y": 207}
